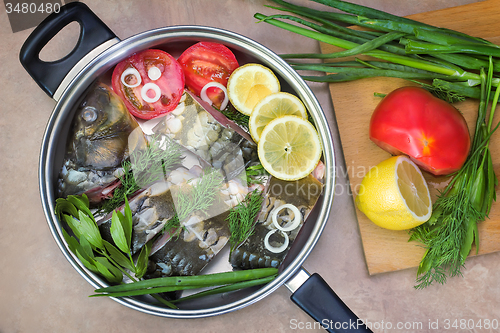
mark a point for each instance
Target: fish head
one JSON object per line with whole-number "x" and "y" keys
{"x": 101, "y": 128}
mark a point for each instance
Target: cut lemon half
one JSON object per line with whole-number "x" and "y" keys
{"x": 271, "y": 107}
{"x": 289, "y": 147}
{"x": 250, "y": 83}
{"x": 394, "y": 195}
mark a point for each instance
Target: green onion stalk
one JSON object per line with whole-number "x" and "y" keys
{"x": 411, "y": 50}
{"x": 224, "y": 282}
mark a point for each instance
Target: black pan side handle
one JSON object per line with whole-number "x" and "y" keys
{"x": 93, "y": 32}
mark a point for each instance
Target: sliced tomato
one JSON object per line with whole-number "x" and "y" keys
{"x": 206, "y": 62}
{"x": 152, "y": 85}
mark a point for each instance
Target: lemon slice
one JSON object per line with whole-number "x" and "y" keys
{"x": 394, "y": 195}
{"x": 250, "y": 83}
{"x": 271, "y": 107}
{"x": 289, "y": 147}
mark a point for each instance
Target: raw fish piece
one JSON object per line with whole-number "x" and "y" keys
{"x": 220, "y": 143}
{"x": 151, "y": 209}
{"x": 154, "y": 206}
{"x": 190, "y": 251}
{"x": 201, "y": 235}
{"x": 303, "y": 194}
{"x": 97, "y": 143}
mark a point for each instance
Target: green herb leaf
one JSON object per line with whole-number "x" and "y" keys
{"x": 118, "y": 256}
{"x": 142, "y": 261}
{"x": 72, "y": 241}
{"x": 127, "y": 223}
{"x": 84, "y": 252}
{"x": 64, "y": 206}
{"x": 81, "y": 203}
{"x": 89, "y": 263}
{"x": 73, "y": 224}
{"x": 108, "y": 270}
{"x": 86, "y": 247}
{"x": 117, "y": 232}
{"x": 469, "y": 238}
{"x": 239, "y": 118}
{"x": 199, "y": 196}
{"x": 88, "y": 229}
{"x": 492, "y": 183}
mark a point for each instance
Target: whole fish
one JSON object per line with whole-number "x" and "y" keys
{"x": 97, "y": 144}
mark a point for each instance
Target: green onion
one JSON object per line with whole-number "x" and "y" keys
{"x": 450, "y": 55}
{"x": 395, "y": 58}
{"x": 173, "y": 283}
{"x": 228, "y": 288}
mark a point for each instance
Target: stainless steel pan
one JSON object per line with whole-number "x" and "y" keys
{"x": 94, "y": 56}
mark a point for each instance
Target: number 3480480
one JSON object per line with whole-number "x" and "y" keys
{"x": 26, "y": 8}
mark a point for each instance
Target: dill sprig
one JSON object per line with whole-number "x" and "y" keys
{"x": 197, "y": 197}
{"x": 160, "y": 157}
{"x": 452, "y": 229}
{"x": 447, "y": 237}
{"x": 200, "y": 196}
{"x": 241, "y": 218}
{"x": 239, "y": 118}
{"x": 143, "y": 168}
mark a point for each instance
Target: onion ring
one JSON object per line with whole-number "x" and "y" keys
{"x": 275, "y": 249}
{"x": 154, "y": 73}
{"x": 146, "y": 88}
{"x": 134, "y": 72}
{"x": 204, "y": 96}
{"x": 295, "y": 222}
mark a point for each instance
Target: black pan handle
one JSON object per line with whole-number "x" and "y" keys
{"x": 313, "y": 295}
{"x": 93, "y": 32}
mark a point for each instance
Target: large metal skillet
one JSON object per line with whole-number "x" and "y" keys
{"x": 94, "y": 56}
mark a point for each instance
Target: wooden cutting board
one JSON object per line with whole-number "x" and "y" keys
{"x": 354, "y": 103}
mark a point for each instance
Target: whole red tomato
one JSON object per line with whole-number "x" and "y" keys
{"x": 433, "y": 133}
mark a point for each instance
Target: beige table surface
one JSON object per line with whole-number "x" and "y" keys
{"x": 41, "y": 292}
